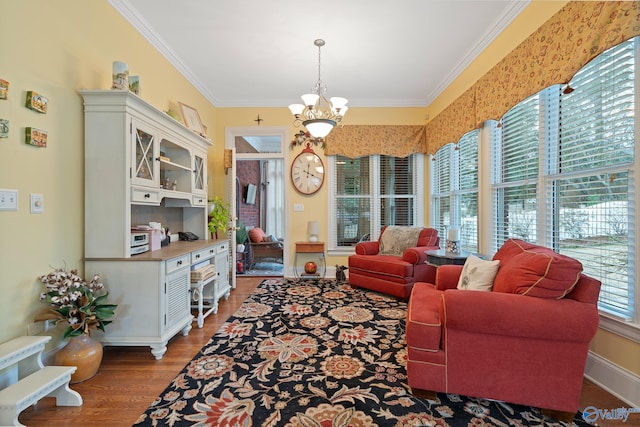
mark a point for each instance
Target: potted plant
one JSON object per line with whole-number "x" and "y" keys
{"x": 82, "y": 305}
{"x": 242, "y": 234}
{"x": 219, "y": 216}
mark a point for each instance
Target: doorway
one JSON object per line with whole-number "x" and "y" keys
{"x": 256, "y": 193}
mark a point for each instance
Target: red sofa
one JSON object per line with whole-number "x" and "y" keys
{"x": 393, "y": 274}
{"x": 525, "y": 342}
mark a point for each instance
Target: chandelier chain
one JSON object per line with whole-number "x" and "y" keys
{"x": 320, "y": 88}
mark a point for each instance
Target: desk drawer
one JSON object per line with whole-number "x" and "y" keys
{"x": 145, "y": 196}
{"x": 177, "y": 263}
{"x": 199, "y": 201}
{"x": 203, "y": 254}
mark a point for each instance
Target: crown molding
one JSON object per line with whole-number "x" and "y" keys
{"x": 501, "y": 24}
{"x": 132, "y": 15}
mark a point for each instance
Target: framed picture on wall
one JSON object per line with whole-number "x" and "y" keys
{"x": 191, "y": 118}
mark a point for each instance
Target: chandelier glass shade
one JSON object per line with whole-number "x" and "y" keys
{"x": 317, "y": 113}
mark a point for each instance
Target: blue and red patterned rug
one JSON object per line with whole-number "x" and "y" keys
{"x": 316, "y": 353}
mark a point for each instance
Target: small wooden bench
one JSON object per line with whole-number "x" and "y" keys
{"x": 24, "y": 379}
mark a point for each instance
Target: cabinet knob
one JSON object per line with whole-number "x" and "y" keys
{"x": 197, "y": 256}
{"x": 147, "y": 195}
{"x": 179, "y": 262}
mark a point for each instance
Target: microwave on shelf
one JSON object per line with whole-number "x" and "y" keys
{"x": 139, "y": 242}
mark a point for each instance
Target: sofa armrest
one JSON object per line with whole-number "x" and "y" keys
{"x": 417, "y": 255}
{"x": 503, "y": 314}
{"x": 447, "y": 276}
{"x": 368, "y": 248}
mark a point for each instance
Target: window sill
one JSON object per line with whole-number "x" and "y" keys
{"x": 628, "y": 330}
{"x": 341, "y": 251}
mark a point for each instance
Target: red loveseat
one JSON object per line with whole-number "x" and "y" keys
{"x": 393, "y": 273}
{"x": 525, "y": 342}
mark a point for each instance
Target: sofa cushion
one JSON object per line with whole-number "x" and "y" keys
{"x": 396, "y": 239}
{"x": 428, "y": 237}
{"x": 256, "y": 235}
{"x": 534, "y": 270}
{"x": 389, "y": 266}
{"x": 478, "y": 274}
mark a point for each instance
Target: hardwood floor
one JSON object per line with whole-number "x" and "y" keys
{"x": 130, "y": 378}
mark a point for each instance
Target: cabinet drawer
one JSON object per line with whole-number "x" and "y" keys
{"x": 177, "y": 263}
{"x": 141, "y": 195}
{"x": 203, "y": 254}
{"x": 223, "y": 247}
{"x": 199, "y": 201}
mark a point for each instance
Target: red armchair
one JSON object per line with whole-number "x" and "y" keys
{"x": 526, "y": 342}
{"x": 373, "y": 267}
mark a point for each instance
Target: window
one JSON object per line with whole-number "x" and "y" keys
{"x": 371, "y": 192}
{"x": 515, "y": 189}
{"x": 454, "y": 181}
{"x": 564, "y": 170}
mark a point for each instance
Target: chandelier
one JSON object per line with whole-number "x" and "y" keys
{"x": 319, "y": 115}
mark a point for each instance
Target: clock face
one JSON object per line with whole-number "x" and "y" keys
{"x": 307, "y": 172}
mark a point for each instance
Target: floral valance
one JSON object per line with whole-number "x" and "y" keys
{"x": 364, "y": 140}
{"x": 575, "y": 35}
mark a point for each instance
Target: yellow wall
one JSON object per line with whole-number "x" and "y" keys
{"x": 58, "y": 47}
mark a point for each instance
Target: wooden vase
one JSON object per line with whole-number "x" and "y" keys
{"x": 83, "y": 352}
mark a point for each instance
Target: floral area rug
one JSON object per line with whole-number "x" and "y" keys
{"x": 316, "y": 353}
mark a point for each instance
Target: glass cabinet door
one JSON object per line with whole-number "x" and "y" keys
{"x": 145, "y": 164}
{"x": 199, "y": 173}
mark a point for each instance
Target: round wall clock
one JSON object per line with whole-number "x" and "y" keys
{"x": 307, "y": 171}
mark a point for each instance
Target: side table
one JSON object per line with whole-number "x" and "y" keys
{"x": 310, "y": 251}
{"x": 441, "y": 257}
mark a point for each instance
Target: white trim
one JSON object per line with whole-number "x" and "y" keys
{"x": 133, "y": 16}
{"x": 626, "y": 330}
{"x": 231, "y": 132}
{"x": 484, "y": 41}
{"x": 623, "y": 384}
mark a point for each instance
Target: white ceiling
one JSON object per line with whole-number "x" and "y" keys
{"x": 378, "y": 53}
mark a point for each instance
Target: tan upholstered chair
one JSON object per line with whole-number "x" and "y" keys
{"x": 263, "y": 248}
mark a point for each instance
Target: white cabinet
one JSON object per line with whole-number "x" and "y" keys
{"x": 221, "y": 260}
{"x": 141, "y": 165}
{"x": 152, "y": 297}
{"x": 144, "y": 143}
{"x": 136, "y": 155}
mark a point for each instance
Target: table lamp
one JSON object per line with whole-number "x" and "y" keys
{"x": 313, "y": 229}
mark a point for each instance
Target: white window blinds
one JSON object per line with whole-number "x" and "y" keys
{"x": 468, "y": 190}
{"x": 515, "y": 188}
{"x": 594, "y": 180}
{"x": 371, "y": 192}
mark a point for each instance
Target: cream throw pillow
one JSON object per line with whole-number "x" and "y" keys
{"x": 397, "y": 238}
{"x": 478, "y": 274}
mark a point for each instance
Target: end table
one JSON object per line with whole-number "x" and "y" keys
{"x": 441, "y": 257}
{"x": 308, "y": 251}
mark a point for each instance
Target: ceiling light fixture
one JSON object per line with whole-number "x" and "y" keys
{"x": 318, "y": 114}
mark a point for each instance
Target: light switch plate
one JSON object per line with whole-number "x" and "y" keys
{"x": 8, "y": 200}
{"x": 37, "y": 203}
{"x": 298, "y": 207}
